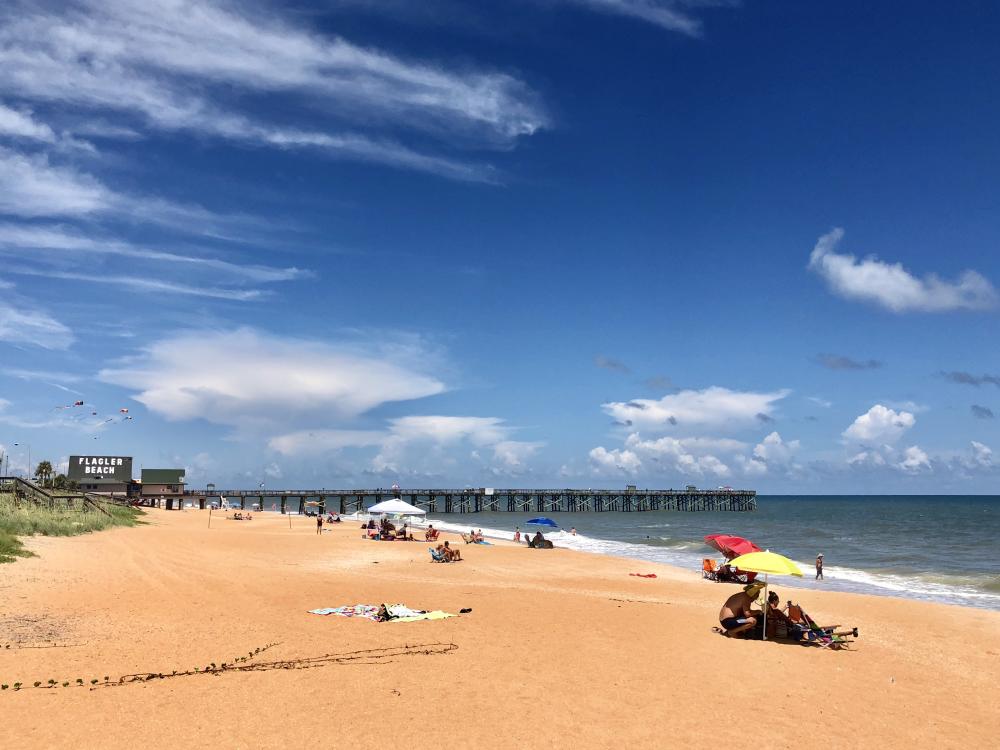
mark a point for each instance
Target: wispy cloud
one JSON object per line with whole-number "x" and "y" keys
{"x": 840, "y": 362}
{"x": 176, "y": 65}
{"x": 43, "y": 375}
{"x": 23, "y": 324}
{"x": 58, "y": 238}
{"x": 892, "y": 286}
{"x": 607, "y": 363}
{"x": 21, "y": 124}
{"x": 967, "y": 378}
{"x": 149, "y": 284}
{"x": 673, "y": 15}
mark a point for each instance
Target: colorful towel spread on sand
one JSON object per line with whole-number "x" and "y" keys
{"x": 367, "y": 611}
{"x": 483, "y": 541}
{"x": 385, "y": 613}
{"x": 643, "y": 575}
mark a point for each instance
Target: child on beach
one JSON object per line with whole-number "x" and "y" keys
{"x": 517, "y": 533}
{"x": 819, "y": 567}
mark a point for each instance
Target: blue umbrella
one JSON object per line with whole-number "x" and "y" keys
{"x": 542, "y": 521}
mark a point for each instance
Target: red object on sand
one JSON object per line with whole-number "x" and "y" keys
{"x": 643, "y": 575}
{"x": 731, "y": 546}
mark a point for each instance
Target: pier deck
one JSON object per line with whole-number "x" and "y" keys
{"x": 498, "y": 500}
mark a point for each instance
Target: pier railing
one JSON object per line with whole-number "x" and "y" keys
{"x": 495, "y": 500}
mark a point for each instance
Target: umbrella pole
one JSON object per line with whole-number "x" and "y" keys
{"x": 765, "y": 607}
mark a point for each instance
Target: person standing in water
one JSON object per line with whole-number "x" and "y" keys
{"x": 819, "y": 567}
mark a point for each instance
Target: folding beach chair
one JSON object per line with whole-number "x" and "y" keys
{"x": 708, "y": 569}
{"x": 437, "y": 556}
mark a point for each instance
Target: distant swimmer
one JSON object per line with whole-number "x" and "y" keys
{"x": 819, "y": 567}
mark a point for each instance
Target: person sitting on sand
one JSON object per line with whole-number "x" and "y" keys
{"x": 431, "y": 533}
{"x": 451, "y": 554}
{"x": 737, "y": 615}
{"x": 777, "y": 622}
{"x": 478, "y": 536}
{"x": 538, "y": 541}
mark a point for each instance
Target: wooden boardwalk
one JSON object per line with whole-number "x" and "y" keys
{"x": 496, "y": 501}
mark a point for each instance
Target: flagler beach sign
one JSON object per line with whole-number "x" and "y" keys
{"x": 106, "y": 467}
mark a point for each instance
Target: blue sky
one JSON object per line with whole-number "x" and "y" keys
{"x": 530, "y": 243}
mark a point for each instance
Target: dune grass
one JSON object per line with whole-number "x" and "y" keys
{"x": 29, "y": 520}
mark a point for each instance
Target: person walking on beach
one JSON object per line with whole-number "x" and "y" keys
{"x": 819, "y": 567}
{"x": 319, "y": 524}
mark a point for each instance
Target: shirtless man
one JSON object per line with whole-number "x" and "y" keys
{"x": 449, "y": 552}
{"x": 736, "y": 615}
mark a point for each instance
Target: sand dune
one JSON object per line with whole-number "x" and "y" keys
{"x": 562, "y": 649}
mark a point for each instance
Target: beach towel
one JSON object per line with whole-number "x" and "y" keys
{"x": 483, "y": 541}
{"x": 366, "y": 611}
{"x": 384, "y": 613}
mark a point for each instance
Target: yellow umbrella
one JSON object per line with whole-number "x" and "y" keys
{"x": 766, "y": 562}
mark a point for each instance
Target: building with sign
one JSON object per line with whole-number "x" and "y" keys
{"x": 105, "y": 474}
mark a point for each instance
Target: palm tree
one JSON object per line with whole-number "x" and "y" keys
{"x": 44, "y": 472}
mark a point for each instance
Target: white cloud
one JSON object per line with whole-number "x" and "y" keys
{"x": 689, "y": 409}
{"x": 30, "y": 186}
{"x": 320, "y": 441}
{"x": 615, "y": 461}
{"x": 245, "y": 378}
{"x": 512, "y": 454}
{"x": 148, "y": 284}
{"x": 820, "y": 401}
{"x": 892, "y": 286}
{"x": 178, "y": 64}
{"x": 869, "y": 458}
{"x": 21, "y": 124}
{"x": 673, "y": 15}
{"x": 880, "y": 424}
{"x": 914, "y": 460}
{"x": 982, "y": 456}
{"x": 774, "y": 451}
{"x": 61, "y": 241}
{"x": 21, "y": 324}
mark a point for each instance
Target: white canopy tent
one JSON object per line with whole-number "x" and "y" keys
{"x": 396, "y": 507}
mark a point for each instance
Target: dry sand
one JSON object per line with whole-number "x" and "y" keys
{"x": 562, "y": 649}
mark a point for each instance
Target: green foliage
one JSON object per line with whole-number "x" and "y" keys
{"x": 30, "y": 519}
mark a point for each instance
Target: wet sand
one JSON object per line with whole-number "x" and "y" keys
{"x": 561, "y": 649}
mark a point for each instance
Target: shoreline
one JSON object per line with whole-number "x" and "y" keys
{"x": 172, "y": 594}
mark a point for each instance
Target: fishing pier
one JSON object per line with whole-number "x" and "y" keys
{"x": 491, "y": 500}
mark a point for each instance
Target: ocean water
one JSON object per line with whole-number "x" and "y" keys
{"x": 937, "y": 548}
{"x": 944, "y": 549}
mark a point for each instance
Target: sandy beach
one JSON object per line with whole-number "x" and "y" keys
{"x": 561, "y": 649}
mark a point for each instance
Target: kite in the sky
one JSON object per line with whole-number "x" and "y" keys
{"x": 123, "y": 411}
{"x": 70, "y": 406}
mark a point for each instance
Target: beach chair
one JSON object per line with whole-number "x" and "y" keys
{"x": 437, "y": 556}
{"x": 708, "y": 569}
{"x": 431, "y": 536}
{"x": 804, "y": 628}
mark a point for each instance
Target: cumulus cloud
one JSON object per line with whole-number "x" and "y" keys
{"x": 892, "y": 286}
{"x": 617, "y": 461}
{"x": 247, "y": 378}
{"x": 981, "y": 412}
{"x": 914, "y": 460}
{"x": 981, "y": 456}
{"x": 880, "y": 424}
{"x": 772, "y": 449}
{"x": 840, "y": 362}
{"x": 690, "y": 409}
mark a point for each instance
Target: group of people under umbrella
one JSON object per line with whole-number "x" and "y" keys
{"x": 738, "y": 617}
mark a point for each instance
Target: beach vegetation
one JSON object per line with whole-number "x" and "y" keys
{"x": 28, "y": 519}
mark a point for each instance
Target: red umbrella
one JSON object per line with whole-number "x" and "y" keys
{"x": 731, "y": 546}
